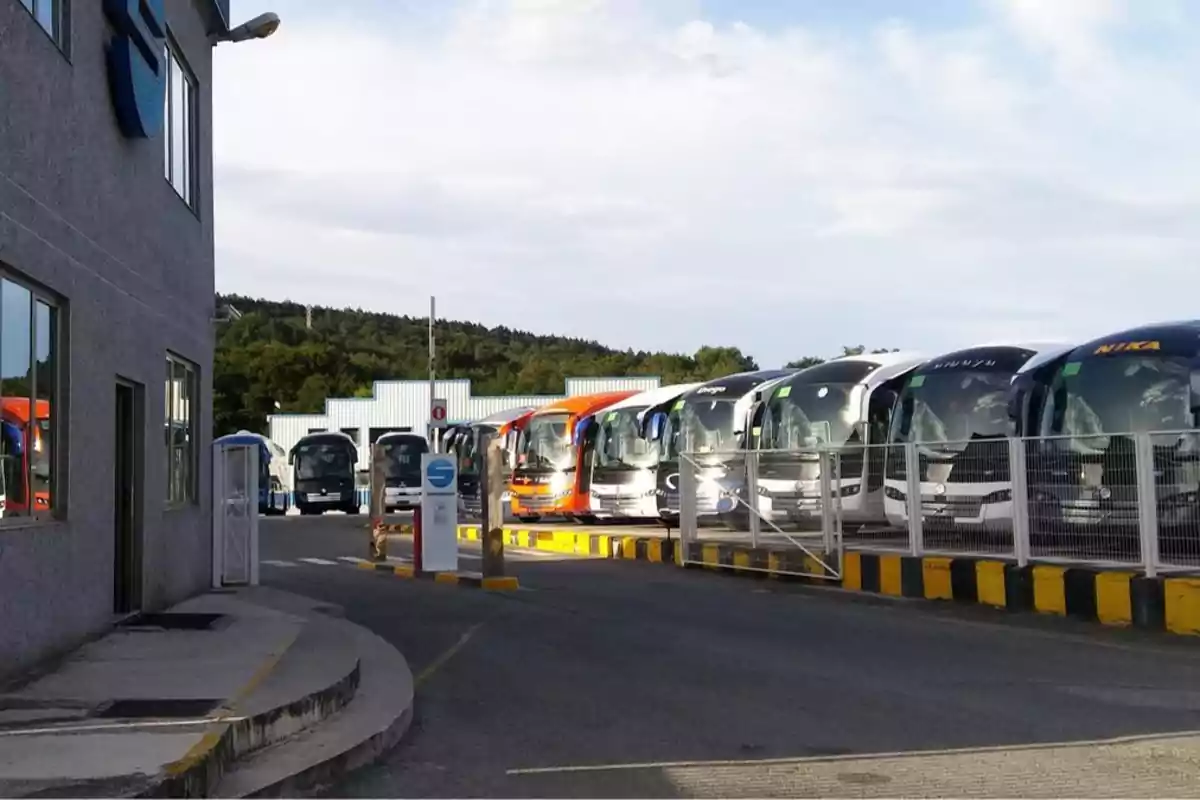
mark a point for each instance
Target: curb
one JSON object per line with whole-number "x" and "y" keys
{"x": 1111, "y": 597}
{"x": 492, "y": 584}
{"x": 335, "y": 763}
{"x": 199, "y": 771}
{"x": 582, "y": 543}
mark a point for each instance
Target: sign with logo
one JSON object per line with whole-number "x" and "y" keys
{"x": 1127, "y": 347}
{"x": 437, "y": 412}
{"x": 439, "y": 512}
{"x": 137, "y": 70}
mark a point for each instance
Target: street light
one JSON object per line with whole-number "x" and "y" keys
{"x": 260, "y": 27}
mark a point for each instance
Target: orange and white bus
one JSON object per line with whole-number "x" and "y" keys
{"x": 546, "y": 479}
{"x": 25, "y": 456}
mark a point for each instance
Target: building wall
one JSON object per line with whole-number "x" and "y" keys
{"x": 406, "y": 404}
{"x": 87, "y": 215}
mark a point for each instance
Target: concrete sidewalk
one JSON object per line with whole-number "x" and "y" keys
{"x": 246, "y": 692}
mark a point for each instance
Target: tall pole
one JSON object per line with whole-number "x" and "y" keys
{"x": 433, "y": 434}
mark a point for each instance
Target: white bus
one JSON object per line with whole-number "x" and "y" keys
{"x": 844, "y": 405}
{"x": 621, "y": 462}
{"x": 954, "y": 409}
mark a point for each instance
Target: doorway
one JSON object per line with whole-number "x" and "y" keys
{"x": 127, "y": 498}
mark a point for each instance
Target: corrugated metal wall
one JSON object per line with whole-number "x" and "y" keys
{"x": 399, "y": 404}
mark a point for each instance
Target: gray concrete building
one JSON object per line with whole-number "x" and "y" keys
{"x": 106, "y": 287}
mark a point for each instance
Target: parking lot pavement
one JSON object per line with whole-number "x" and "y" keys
{"x": 655, "y": 673}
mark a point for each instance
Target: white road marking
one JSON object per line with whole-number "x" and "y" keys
{"x": 353, "y": 559}
{"x": 322, "y": 562}
{"x": 274, "y": 563}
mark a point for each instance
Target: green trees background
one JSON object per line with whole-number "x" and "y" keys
{"x": 268, "y": 356}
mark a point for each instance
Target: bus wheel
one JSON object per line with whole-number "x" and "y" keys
{"x": 353, "y": 509}
{"x": 585, "y": 519}
{"x": 528, "y": 519}
{"x": 308, "y": 511}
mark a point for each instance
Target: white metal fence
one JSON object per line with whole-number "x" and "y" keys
{"x": 1129, "y": 500}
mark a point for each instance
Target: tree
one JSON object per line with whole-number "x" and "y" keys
{"x": 803, "y": 363}
{"x": 268, "y": 355}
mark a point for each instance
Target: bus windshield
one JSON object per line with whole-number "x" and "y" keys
{"x": 323, "y": 460}
{"x": 402, "y": 457}
{"x": 1096, "y": 400}
{"x": 700, "y": 425}
{"x": 944, "y": 411}
{"x": 544, "y": 443}
{"x": 808, "y": 415}
{"x": 618, "y": 441}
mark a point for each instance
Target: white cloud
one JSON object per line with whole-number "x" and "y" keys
{"x": 617, "y": 170}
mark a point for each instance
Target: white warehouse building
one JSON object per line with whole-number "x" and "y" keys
{"x": 404, "y": 406}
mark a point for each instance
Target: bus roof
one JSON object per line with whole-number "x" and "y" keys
{"x": 18, "y": 408}
{"x": 869, "y": 368}
{"x": 732, "y": 387}
{"x": 505, "y": 416}
{"x": 308, "y": 438}
{"x": 401, "y": 435}
{"x": 584, "y": 403}
{"x": 1005, "y": 354}
{"x": 1171, "y": 339}
{"x": 653, "y": 397}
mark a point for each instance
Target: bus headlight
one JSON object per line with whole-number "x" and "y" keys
{"x": 560, "y": 484}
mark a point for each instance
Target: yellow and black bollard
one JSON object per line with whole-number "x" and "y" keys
{"x": 492, "y": 523}
{"x": 379, "y": 542}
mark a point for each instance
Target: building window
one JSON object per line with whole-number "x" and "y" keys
{"x": 179, "y": 126}
{"x": 181, "y": 397}
{"x": 49, "y": 14}
{"x": 28, "y": 402}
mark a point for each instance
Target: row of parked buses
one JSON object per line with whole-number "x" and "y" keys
{"x": 617, "y": 454}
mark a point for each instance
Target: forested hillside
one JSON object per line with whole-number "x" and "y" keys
{"x": 267, "y": 355}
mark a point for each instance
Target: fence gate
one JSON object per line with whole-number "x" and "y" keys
{"x": 735, "y": 510}
{"x": 235, "y": 514}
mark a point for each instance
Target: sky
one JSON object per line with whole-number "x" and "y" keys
{"x": 785, "y": 177}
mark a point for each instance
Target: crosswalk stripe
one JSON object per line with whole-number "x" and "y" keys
{"x": 274, "y": 563}
{"x": 323, "y": 562}
{"x": 352, "y": 559}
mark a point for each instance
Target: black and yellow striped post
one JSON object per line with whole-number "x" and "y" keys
{"x": 491, "y": 489}
{"x": 378, "y": 544}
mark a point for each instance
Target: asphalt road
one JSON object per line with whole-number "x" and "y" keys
{"x": 628, "y": 679}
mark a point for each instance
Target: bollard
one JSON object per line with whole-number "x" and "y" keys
{"x": 418, "y": 566}
{"x": 378, "y": 501}
{"x": 492, "y": 523}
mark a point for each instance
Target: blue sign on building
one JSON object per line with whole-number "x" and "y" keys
{"x": 136, "y": 65}
{"x": 440, "y": 473}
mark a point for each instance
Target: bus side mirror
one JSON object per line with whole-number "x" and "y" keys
{"x": 581, "y": 428}
{"x": 654, "y": 426}
{"x": 291, "y": 459}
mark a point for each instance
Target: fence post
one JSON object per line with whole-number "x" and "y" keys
{"x": 1019, "y": 479}
{"x": 687, "y": 506}
{"x": 827, "y": 467}
{"x": 912, "y": 499}
{"x": 752, "y": 496}
{"x": 491, "y": 522}
{"x": 378, "y": 490}
{"x": 1147, "y": 500}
